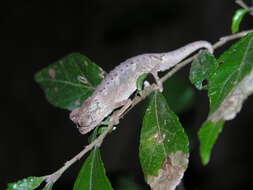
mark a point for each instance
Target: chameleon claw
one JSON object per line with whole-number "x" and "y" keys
{"x": 160, "y": 85}
{"x": 158, "y": 81}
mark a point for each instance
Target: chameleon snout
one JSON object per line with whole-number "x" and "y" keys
{"x": 74, "y": 115}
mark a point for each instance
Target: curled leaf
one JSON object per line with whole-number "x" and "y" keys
{"x": 237, "y": 19}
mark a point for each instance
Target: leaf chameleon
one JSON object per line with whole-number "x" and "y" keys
{"x": 114, "y": 91}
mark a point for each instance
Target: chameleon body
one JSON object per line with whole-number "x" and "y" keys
{"x": 120, "y": 83}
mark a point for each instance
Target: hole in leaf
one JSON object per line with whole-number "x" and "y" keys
{"x": 204, "y": 83}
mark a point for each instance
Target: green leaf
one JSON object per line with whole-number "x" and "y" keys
{"x": 69, "y": 81}
{"x": 228, "y": 87}
{"x": 163, "y": 145}
{"x": 29, "y": 183}
{"x": 179, "y": 94}
{"x": 237, "y": 19}
{"x": 202, "y": 68}
{"x": 208, "y": 135}
{"x": 237, "y": 63}
{"x": 92, "y": 174}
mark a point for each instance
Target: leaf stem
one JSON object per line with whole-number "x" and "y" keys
{"x": 52, "y": 178}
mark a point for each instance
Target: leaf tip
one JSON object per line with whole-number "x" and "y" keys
{"x": 205, "y": 158}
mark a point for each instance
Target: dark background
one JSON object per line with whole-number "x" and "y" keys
{"x": 36, "y": 138}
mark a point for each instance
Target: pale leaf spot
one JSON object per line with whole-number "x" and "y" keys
{"x": 171, "y": 173}
{"x": 51, "y": 73}
{"x": 158, "y": 138}
{"x": 232, "y": 104}
{"x": 83, "y": 79}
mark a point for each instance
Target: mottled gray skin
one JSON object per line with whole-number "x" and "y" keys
{"x": 120, "y": 83}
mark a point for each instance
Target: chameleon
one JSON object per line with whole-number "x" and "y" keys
{"x": 116, "y": 88}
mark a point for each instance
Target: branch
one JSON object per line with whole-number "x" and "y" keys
{"x": 52, "y": 178}
{"x": 244, "y": 6}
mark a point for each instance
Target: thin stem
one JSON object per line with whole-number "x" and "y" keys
{"x": 222, "y": 41}
{"x": 244, "y": 5}
{"x": 50, "y": 179}
{"x": 226, "y": 39}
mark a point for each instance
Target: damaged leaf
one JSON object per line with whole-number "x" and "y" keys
{"x": 69, "y": 81}
{"x": 231, "y": 83}
{"x": 163, "y": 147}
{"x": 228, "y": 87}
{"x": 202, "y": 68}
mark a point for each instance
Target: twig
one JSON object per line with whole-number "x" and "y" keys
{"x": 226, "y": 39}
{"x": 221, "y": 42}
{"x": 245, "y": 6}
{"x": 52, "y": 178}
{"x": 242, "y": 4}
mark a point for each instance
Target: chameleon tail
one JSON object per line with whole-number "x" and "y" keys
{"x": 173, "y": 57}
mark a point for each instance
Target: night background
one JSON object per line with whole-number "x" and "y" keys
{"x": 37, "y": 138}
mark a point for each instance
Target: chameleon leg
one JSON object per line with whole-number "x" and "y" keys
{"x": 157, "y": 80}
{"x": 116, "y": 115}
{"x": 84, "y": 130}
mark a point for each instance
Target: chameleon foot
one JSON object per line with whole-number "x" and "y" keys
{"x": 158, "y": 81}
{"x": 116, "y": 115}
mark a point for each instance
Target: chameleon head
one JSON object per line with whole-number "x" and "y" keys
{"x": 83, "y": 120}
{"x": 82, "y": 117}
